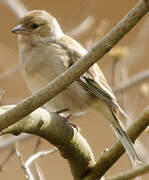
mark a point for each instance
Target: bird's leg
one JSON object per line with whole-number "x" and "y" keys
{"x": 62, "y": 111}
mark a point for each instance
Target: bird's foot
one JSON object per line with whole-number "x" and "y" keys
{"x": 70, "y": 123}
{"x": 67, "y": 117}
{"x": 74, "y": 126}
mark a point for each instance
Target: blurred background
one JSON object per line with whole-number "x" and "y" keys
{"x": 87, "y": 21}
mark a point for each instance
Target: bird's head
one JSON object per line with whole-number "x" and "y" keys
{"x": 38, "y": 25}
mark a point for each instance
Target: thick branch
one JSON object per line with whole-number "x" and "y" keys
{"x": 72, "y": 146}
{"x": 131, "y": 173}
{"x": 56, "y": 130}
{"x": 112, "y": 155}
{"x": 140, "y": 77}
{"x": 27, "y": 106}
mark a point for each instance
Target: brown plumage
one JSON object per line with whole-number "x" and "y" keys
{"x": 45, "y": 52}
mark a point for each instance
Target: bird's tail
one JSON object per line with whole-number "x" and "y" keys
{"x": 125, "y": 140}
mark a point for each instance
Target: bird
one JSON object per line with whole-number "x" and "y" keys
{"x": 45, "y": 52}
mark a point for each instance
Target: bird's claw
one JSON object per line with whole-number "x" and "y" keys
{"x": 67, "y": 117}
{"x": 74, "y": 126}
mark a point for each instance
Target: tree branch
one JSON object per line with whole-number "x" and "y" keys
{"x": 112, "y": 155}
{"x": 56, "y": 130}
{"x": 140, "y": 77}
{"x": 28, "y": 173}
{"x": 16, "y": 7}
{"x": 34, "y": 157}
{"x": 72, "y": 146}
{"x": 5, "y": 143}
{"x": 131, "y": 173}
{"x": 27, "y": 106}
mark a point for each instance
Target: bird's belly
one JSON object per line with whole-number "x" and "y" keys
{"x": 74, "y": 98}
{"x": 63, "y": 101}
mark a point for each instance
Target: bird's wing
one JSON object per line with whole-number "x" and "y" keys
{"x": 93, "y": 80}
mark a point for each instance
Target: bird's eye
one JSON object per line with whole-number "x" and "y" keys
{"x": 35, "y": 26}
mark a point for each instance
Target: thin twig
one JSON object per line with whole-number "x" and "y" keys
{"x": 131, "y": 173}
{"x": 37, "y": 145}
{"x": 113, "y": 73}
{"x": 16, "y": 7}
{"x": 1, "y": 92}
{"x": 28, "y": 173}
{"x": 39, "y": 171}
{"x": 136, "y": 79}
{"x": 34, "y": 157}
{"x": 11, "y": 153}
{"x": 108, "y": 158}
{"x": 38, "y": 155}
{"x": 10, "y": 141}
{"x": 39, "y": 175}
{"x": 8, "y": 73}
{"x": 82, "y": 28}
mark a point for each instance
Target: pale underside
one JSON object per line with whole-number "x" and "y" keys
{"x": 38, "y": 72}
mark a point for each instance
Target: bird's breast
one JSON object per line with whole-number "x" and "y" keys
{"x": 40, "y": 66}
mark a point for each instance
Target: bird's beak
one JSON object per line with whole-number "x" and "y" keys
{"x": 20, "y": 29}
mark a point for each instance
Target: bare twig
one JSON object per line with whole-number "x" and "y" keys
{"x": 38, "y": 155}
{"x": 16, "y": 6}
{"x": 136, "y": 79}
{"x": 39, "y": 172}
{"x": 11, "y": 153}
{"x": 111, "y": 156}
{"x": 139, "y": 47}
{"x": 113, "y": 74}
{"x": 131, "y": 173}
{"x": 82, "y": 28}
{"x": 6, "y": 74}
{"x": 1, "y": 93}
{"x": 39, "y": 175}
{"x": 10, "y": 141}
{"x": 28, "y": 174}
{"x": 37, "y": 145}
{"x": 8, "y": 100}
{"x": 142, "y": 150}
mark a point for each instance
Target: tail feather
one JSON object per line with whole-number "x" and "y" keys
{"x": 125, "y": 141}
